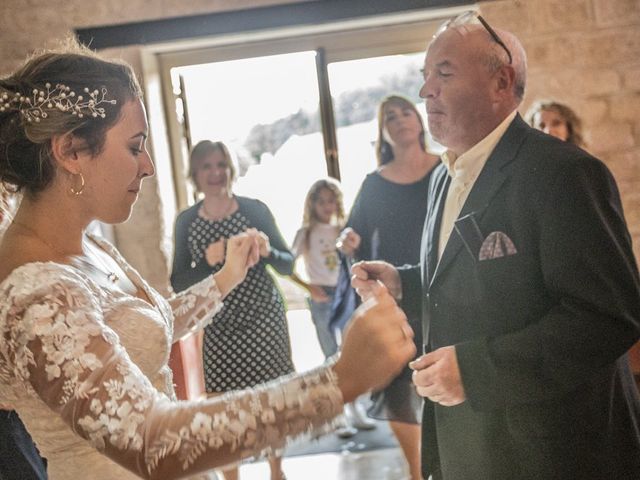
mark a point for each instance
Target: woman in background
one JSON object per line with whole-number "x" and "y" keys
{"x": 558, "y": 120}
{"x": 386, "y": 223}
{"x": 248, "y": 344}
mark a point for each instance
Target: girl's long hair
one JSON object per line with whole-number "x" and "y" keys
{"x": 309, "y": 217}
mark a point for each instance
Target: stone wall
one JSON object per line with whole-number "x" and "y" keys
{"x": 586, "y": 53}
{"x": 582, "y": 52}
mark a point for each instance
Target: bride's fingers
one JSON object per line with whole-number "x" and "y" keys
{"x": 254, "y": 254}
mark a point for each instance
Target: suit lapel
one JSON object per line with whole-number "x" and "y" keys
{"x": 486, "y": 186}
{"x": 439, "y": 187}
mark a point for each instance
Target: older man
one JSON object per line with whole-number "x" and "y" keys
{"x": 528, "y": 284}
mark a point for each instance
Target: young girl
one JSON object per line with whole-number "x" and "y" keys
{"x": 322, "y": 221}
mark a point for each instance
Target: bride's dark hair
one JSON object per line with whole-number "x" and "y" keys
{"x": 25, "y": 156}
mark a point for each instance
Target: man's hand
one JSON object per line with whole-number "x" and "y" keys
{"x": 437, "y": 377}
{"x": 378, "y": 343}
{"x": 365, "y": 274}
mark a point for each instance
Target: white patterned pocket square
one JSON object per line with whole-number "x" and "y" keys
{"x": 496, "y": 245}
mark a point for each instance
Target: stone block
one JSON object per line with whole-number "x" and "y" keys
{"x": 610, "y": 47}
{"x": 616, "y": 12}
{"x": 551, "y": 51}
{"x": 631, "y": 207}
{"x": 632, "y": 78}
{"x": 625, "y": 166}
{"x": 592, "y": 111}
{"x": 636, "y": 130}
{"x": 625, "y": 107}
{"x": 540, "y": 88}
{"x": 597, "y": 81}
{"x": 626, "y": 188}
{"x": 512, "y": 15}
{"x": 584, "y": 82}
{"x": 560, "y": 15}
{"x": 610, "y": 136}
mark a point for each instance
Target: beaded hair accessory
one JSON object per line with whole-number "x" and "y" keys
{"x": 34, "y": 108}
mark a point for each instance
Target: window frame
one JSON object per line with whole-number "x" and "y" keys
{"x": 390, "y": 34}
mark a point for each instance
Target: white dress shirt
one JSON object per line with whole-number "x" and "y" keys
{"x": 464, "y": 171}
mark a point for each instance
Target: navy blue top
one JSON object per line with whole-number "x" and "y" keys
{"x": 389, "y": 217}
{"x": 184, "y": 273}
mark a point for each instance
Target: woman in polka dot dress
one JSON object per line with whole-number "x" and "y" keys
{"x": 248, "y": 342}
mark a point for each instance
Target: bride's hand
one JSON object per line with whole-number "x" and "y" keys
{"x": 240, "y": 256}
{"x": 377, "y": 344}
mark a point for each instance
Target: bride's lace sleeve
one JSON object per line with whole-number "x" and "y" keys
{"x": 58, "y": 345}
{"x": 194, "y": 308}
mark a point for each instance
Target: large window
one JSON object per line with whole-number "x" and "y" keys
{"x": 266, "y": 110}
{"x": 293, "y": 106}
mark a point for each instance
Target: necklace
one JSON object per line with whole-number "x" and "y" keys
{"x": 111, "y": 276}
{"x": 225, "y": 212}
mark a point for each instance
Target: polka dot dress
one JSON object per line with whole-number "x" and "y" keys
{"x": 248, "y": 341}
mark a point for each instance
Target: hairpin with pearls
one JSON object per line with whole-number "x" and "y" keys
{"x": 35, "y": 107}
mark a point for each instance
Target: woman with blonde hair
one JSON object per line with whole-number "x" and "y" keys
{"x": 558, "y": 120}
{"x": 385, "y": 223}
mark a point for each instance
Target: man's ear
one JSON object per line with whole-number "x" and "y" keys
{"x": 505, "y": 80}
{"x": 65, "y": 150}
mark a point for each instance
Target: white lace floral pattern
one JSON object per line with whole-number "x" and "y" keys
{"x": 62, "y": 360}
{"x": 193, "y": 309}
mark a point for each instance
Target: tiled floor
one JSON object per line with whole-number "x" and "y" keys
{"x": 376, "y": 465}
{"x": 385, "y": 464}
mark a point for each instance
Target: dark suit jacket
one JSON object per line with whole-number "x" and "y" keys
{"x": 541, "y": 335}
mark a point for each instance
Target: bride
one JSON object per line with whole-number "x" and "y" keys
{"x": 85, "y": 340}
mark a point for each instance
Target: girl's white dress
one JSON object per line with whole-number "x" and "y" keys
{"x": 86, "y": 368}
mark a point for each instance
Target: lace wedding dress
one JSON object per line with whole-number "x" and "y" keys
{"x": 86, "y": 369}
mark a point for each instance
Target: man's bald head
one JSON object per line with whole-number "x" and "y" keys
{"x": 490, "y": 53}
{"x": 470, "y": 84}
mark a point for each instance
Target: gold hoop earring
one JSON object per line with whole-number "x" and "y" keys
{"x": 79, "y": 190}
